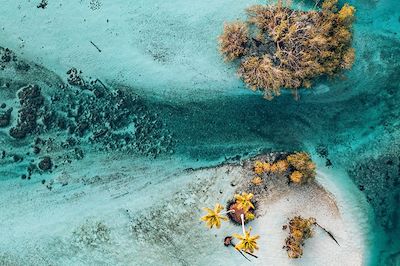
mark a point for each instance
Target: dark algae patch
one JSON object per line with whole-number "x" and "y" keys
{"x": 45, "y": 164}
{"x": 5, "y": 117}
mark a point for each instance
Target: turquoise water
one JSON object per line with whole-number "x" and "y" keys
{"x": 352, "y": 122}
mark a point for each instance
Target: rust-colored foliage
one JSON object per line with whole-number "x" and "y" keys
{"x": 329, "y": 5}
{"x": 281, "y": 166}
{"x": 288, "y": 48}
{"x": 257, "y": 180}
{"x": 264, "y": 167}
{"x": 304, "y": 168}
{"x": 348, "y": 58}
{"x": 300, "y": 230}
{"x": 233, "y": 40}
{"x": 296, "y": 177}
{"x": 258, "y": 167}
{"x": 298, "y": 166}
{"x": 346, "y": 14}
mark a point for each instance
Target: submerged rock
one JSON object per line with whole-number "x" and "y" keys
{"x": 42, "y": 4}
{"x": 45, "y": 164}
{"x": 6, "y": 56}
{"x": 74, "y": 78}
{"x": 31, "y": 101}
{"x": 5, "y": 117}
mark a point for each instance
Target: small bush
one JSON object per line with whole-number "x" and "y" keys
{"x": 304, "y": 168}
{"x": 233, "y": 40}
{"x": 300, "y": 230}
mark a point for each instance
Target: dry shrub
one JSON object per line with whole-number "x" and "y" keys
{"x": 258, "y": 167}
{"x": 233, "y": 40}
{"x": 286, "y": 48}
{"x": 296, "y": 177}
{"x": 257, "y": 180}
{"x": 282, "y": 166}
{"x": 300, "y": 230}
{"x": 304, "y": 168}
{"x": 297, "y": 167}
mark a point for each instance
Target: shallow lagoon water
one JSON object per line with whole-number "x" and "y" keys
{"x": 165, "y": 51}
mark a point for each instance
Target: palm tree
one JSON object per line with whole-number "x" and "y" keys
{"x": 244, "y": 201}
{"x": 214, "y": 217}
{"x": 247, "y": 243}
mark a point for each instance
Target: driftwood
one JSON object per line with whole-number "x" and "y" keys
{"x": 241, "y": 253}
{"x": 251, "y": 254}
{"x": 98, "y": 49}
{"x": 102, "y": 84}
{"x": 329, "y": 233}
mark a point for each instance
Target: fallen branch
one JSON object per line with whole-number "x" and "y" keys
{"x": 98, "y": 49}
{"x": 329, "y": 233}
{"x": 228, "y": 242}
{"x": 241, "y": 253}
{"x": 102, "y": 84}
{"x": 251, "y": 254}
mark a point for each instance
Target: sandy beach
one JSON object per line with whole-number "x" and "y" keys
{"x": 152, "y": 217}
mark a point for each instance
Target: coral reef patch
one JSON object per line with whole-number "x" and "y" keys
{"x": 84, "y": 114}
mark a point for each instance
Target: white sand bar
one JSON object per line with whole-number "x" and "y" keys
{"x": 151, "y": 217}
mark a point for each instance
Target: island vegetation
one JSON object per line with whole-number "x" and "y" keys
{"x": 280, "y": 47}
{"x": 242, "y": 204}
{"x": 280, "y": 169}
{"x": 297, "y": 167}
{"x": 300, "y": 229}
{"x": 247, "y": 242}
{"x": 214, "y": 217}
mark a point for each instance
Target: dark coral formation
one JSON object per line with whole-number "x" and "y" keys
{"x": 31, "y": 101}
{"x": 74, "y": 77}
{"x": 6, "y": 56}
{"x": 115, "y": 118}
{"x": 5, "y": 117}
{"x": 42, "y": 4}
{"x": 83, "y": 114}
{"x": 45, "y": 164}
{"x": 379, "y": 179}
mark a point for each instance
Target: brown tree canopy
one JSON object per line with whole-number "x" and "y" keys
{"x": 279, "y": 47}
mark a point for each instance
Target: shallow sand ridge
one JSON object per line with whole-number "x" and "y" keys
{"x": 123, "y": 219}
